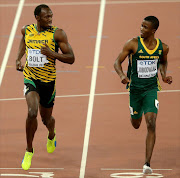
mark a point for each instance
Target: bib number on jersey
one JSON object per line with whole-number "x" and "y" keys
{"x": 146, "y": 68}
{"x": 36, "y": 59}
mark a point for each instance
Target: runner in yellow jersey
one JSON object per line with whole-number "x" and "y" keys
{"x": 41, "y": 42}
{"x": 146, "y": 55}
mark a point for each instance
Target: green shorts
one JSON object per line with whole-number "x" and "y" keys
{"x": 46, "y": 91}
{"x": 142, "y": 103}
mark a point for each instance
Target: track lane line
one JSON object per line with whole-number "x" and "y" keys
{"x": 11, "y": 39}
{"x": 118, "y": 169}
{"x": 31, "y": 168}
{"x": 94, "y": 3}
{"x": 97, "y": 94}
{"x": 92, "y": 89}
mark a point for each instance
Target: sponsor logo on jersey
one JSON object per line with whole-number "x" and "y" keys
{"x": 37, "y": 41}
{"x": 140, "y": 51}
{"x": 31, "y": 34}
{"x": 160, "y": 51}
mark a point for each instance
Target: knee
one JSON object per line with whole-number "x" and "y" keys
{"x": 46, "y": 120}
{"x": 136, "y": 124}
{"x": 151, "y": 125}
{"x": 32, "y": 113}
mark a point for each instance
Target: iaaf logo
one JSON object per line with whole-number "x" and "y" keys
{"x": 148, "y": 62}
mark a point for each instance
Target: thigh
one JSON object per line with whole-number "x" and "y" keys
{"x": 31, "y": 94}
{"x": 47, "y": 94}
{"x": 135, "y": 105}
{"x": 32, "y": 99}
{"x": 150, "y": 102}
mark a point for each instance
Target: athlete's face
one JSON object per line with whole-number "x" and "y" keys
{"x": 147, "y": 29}
{"x": 45, "y": 17}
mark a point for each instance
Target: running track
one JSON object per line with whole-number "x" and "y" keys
{"x": 94, "y": 134}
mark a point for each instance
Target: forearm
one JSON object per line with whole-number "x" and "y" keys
{"x": 65, "y": 58}
{"x": 163, "y": 69}
{"x": 118, "y": 68}
{"x": 21, "y": 50}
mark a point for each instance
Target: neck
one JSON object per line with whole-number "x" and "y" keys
{"x": 40, "y": 28}
{"x": 149, "y": 39}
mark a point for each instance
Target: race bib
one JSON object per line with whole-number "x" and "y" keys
{"x": 36, "y": 59}
{"x": 147, "y": 68}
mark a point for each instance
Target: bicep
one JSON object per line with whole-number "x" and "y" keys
{"x": 122, "y": 56}
{"x": 62, "y": 41}
{"x": 124, "y": 53}
{"x": 165, "y": 53}
{"x": 65, "y": 47}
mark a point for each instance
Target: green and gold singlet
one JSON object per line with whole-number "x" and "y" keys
{"x": 39, "y": 66}
{"x": 143, "y": 67}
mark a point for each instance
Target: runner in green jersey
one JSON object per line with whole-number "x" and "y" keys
{"x": 146, "y": 55}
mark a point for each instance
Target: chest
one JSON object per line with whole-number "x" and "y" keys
{"x": 36, "y": 40}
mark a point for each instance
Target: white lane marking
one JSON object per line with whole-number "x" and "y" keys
{"x": 118, "y": 169}
{"x": 42, "y": 174}
{"x": 11, "y": 39}
{"x": 93, "y": 3}
{"x": 32, "y": 168}
{"x": 143, "y": 1}
{"x": 17, "y": 175}
{"x": 135, "y": 174}
{"x": 98, "y": 94}
{"x": 92, "y": 89}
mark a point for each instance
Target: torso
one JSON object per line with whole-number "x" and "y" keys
{"x": 38, "y": 66}
{"x": 143, "y": 66}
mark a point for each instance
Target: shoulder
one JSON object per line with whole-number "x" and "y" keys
{"x": 60, "y": 35}
{"x": 132, "y": 42}
{"x": 60, "y": 32}
{"x": 23, "y": 29}
{"x": 165, "y": 48}
{"x": 131, "y": 45}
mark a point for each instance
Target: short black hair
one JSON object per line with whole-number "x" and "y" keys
{"x": 37, "y": 10}
{"x": 154, "y": 20}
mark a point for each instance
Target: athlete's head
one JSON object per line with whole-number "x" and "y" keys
{"x": 43, "y": 15}
{"x": 149, "y": 26}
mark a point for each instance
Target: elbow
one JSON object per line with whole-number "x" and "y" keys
{"x": 72, "y": 60}
{"x": 115, "y": 65}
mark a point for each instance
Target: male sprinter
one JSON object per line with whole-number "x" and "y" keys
{"x": 40, "y": 42}
{"x": 146, "y": 54}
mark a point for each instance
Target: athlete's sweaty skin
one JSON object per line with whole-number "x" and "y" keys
{"x": 130, "y": 48}
{"x": 35, "y": 103}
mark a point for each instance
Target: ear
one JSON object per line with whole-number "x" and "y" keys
{"x": 37, "y": 17}
{"x": 153, "y": 31}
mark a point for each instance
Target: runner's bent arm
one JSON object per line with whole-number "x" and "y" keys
{"x": 127, "y": 49}
{"x": 163, "y": 65}
{"x": 21, "y": 51}
{"x": 67, "y": 55}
